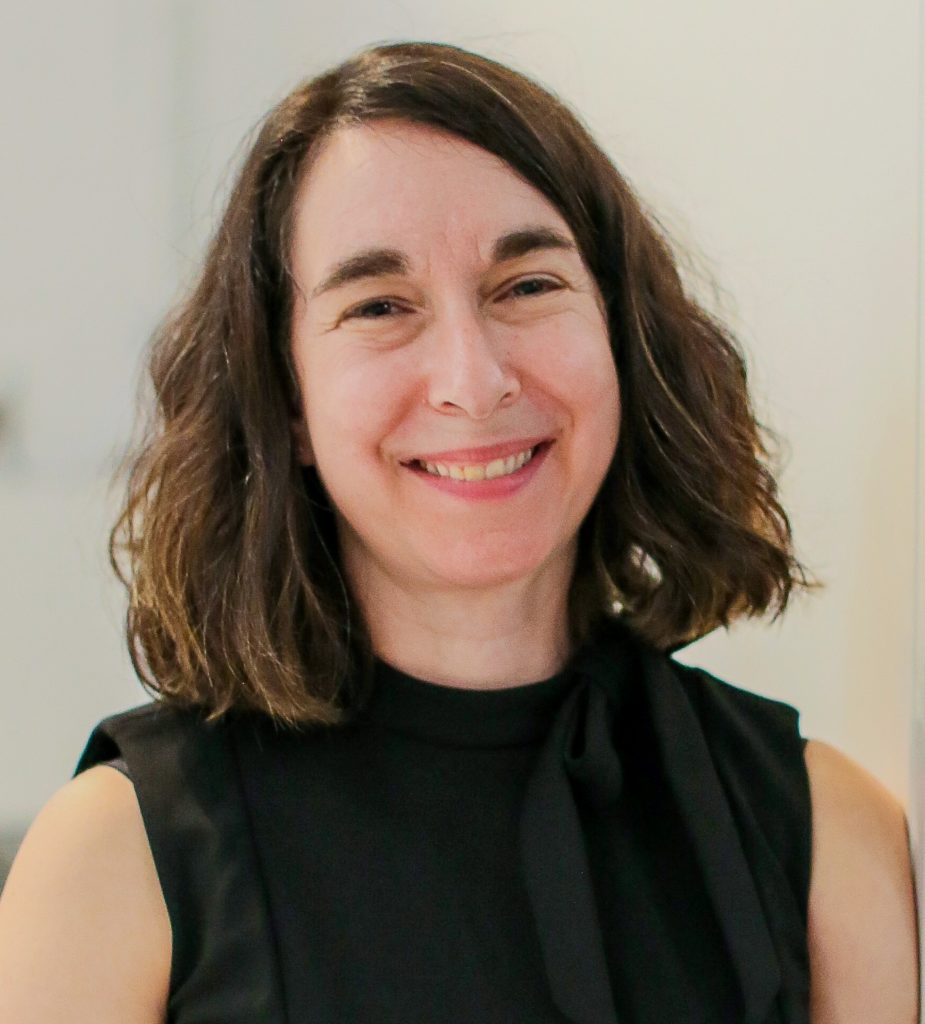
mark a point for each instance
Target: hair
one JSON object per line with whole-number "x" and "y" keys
{"x": 227, "y": 545}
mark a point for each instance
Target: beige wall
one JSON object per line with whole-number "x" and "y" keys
{"x": 780, "y": 140}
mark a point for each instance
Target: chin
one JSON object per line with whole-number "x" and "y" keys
{"x": 484, "y": 566}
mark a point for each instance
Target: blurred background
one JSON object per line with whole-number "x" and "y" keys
{"x": 780, "y": 144}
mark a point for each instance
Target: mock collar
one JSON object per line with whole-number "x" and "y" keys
{"x": 462, "y": 716}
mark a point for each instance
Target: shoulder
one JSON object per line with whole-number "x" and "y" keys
{"x": 84, "y": 930}
{"x": 757, "y": 749}
{"x": 163, "y": 745}
{"x": 156, "y": 718}
{"x": 738, "y": 709}
{"x": 862, "y": 930}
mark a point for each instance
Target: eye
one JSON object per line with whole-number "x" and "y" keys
{"x": 534, "y": 286}
{"x": 376, "y": 309}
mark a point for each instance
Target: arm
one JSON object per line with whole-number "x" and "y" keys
{"x": 84, "y": 931}
{"x": 862, "y": 930}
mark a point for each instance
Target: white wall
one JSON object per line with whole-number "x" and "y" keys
{"x": 87, "y": 187}
{"x": 916, "y": 798}
{"x": 779, "y": 140}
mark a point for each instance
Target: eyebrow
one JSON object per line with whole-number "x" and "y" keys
{"x": 379, "y": 262}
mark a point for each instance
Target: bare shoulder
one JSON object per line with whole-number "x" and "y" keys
{"x": 862, "y": 929}
{"x": 84, "y": 930}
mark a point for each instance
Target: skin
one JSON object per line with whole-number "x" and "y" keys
{"x": 85, "y": 936}
{"x": 862, "y": 928}
{"x": 460, "y": 356}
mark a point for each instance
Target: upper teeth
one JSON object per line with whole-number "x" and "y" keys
{"x": 485, "y": 471}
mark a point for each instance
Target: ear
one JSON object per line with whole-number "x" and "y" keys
{"x": 301, "y": 441}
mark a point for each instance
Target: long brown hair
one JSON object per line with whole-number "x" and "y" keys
{"x": 228, "y": 547}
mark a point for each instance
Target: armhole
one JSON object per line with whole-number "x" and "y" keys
{"x": 119, "y": 764}
{"x": 186, "y": 779}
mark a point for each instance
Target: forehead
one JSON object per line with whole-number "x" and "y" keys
{"x": 411, "y": 187}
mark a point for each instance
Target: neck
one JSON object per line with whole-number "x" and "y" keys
{"x": 490, "y": 638}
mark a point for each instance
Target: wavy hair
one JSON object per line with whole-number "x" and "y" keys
{"x": 228, "y": 546}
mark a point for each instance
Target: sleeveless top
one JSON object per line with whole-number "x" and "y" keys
{"x": 627, "y": 842}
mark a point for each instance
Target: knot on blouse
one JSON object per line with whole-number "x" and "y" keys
{"x": 590, "y": 758}
{"x": 578, "y": 772}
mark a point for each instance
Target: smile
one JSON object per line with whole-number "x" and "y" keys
{"x": 483, "y": 471}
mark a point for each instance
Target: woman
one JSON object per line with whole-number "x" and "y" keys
{"x": 446, "y": 465}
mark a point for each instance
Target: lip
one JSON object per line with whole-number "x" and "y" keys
{"x": 472, "y": 456}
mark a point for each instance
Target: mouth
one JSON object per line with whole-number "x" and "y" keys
{"x": 480, "y": 471}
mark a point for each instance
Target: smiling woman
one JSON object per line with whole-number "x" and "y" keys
{"x": 445, "y": 465}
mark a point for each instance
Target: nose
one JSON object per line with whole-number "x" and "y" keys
{"x": 469, "y": 366}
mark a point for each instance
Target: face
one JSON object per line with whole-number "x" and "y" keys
{"x": 445, "y": 307}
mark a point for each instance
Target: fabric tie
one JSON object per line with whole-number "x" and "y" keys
{"x": 578, "y": 771}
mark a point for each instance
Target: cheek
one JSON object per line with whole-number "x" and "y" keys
{"x": 580, "y": 374}
{"x": 349, "y": 405}
{"x": 579, "y": 365}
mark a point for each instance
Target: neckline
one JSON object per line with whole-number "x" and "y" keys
{"x": 462, "y": 716}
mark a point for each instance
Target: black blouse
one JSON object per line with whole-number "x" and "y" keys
{"x": 628, "y": 841}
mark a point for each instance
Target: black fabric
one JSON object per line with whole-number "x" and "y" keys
{"x": 224, "y": 964}
{"x": 627, "y": 842}
{"x": 119, "y": 764}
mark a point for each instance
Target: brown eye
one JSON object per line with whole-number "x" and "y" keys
{"x": 378, "y": 309}
{"x": 533, "y": 286}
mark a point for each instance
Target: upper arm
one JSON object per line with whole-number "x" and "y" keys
{"x": 862, "y": 929}
{"x": 84, "y": 930}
